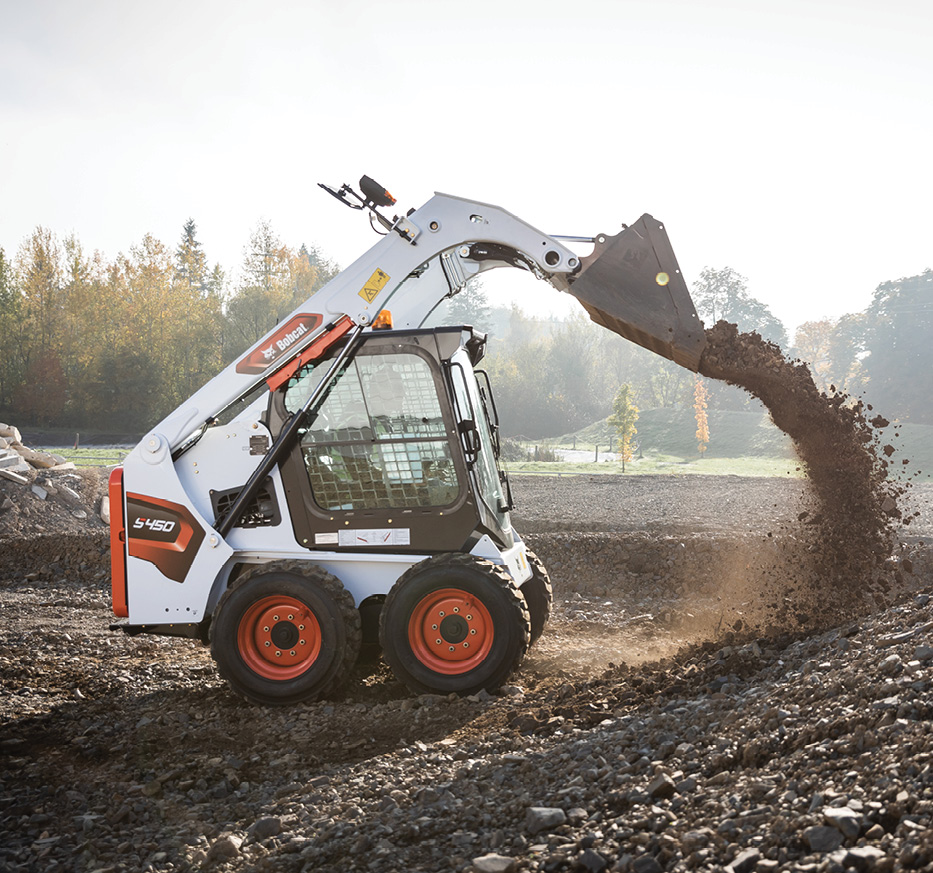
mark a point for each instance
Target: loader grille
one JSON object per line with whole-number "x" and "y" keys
{"x": 262, "y": 511}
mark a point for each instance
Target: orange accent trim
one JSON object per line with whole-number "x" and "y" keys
{"x": 311, "y": 353}
{"x": 118, "y": 592}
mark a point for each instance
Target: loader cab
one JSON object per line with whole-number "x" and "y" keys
{"x": 401, "y": 453}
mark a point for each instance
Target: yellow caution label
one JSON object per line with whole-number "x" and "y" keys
{"x": 374, "y": 285}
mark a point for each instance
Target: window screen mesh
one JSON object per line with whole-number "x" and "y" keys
{"x": 379, "y": 439}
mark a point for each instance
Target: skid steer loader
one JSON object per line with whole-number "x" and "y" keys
{"x": 339, "y": 483}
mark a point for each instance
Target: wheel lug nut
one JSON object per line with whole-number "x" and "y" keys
{"x": 278, "y": 654}
{"x": 268, "y": 644}
{"x": 451, "y": 648}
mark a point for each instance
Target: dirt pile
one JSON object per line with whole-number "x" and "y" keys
{"x": 849, "y": 533}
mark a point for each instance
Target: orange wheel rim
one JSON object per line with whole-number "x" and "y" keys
{"x": 279, "y": 637}
{"x": 450, "y": 631}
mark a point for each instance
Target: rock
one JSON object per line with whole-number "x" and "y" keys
{"x": 13, "y": 476}
{"x": 12, "y": 462}
{"x": 39, "y": 491}
{"x": 866, "y": 858}
{"x": 11, "y": 434}
{"x": 542, "y": 818}
{"x": 40, "y": 460}
{"x": 646, "y": 864}
{"x": 493, "y": 863}
{"x": 263, "y": 828}
{"x": 591, "y": 860}
{"x": 822, "y": 838}
{"x": 226, "y": 846}
{"x": 661, "y": 787}
{"x": 745, "y": 861}
{"x": 843, "y": 819}
{"x": 693, "y": 840}
{"x": 923, "y": 653}
{"x": 105, "y": 509}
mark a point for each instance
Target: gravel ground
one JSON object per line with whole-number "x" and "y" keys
{"x": 625, "y": 743}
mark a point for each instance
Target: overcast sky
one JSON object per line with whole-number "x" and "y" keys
{"x": 787, "y": 139}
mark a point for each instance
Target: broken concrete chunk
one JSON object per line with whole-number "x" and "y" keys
{"x": 11, "y": 433}
{"x": 41, "y": 460}
{"x": 10, "y": 460}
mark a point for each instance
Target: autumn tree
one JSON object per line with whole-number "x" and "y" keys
{"x": 623, "y": 418}
{"x": 275, "y": 280}
{"x": 812, "y": 342}
{"x": 700, "y": 398}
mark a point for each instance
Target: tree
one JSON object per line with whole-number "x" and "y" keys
{"x": 846, "y": 349}
{"x": 812, "y": 342}
{"x": 723, "y": 295}
{"x": 469, "y": 306}
{"x": 623, "y": 418}
{"x": 275, "y": 281}
{"x": 899, "y": 360}
{"x": 700, "y": 397}
{"x": 10, "y": 371}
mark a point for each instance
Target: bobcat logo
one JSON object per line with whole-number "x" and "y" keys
{"x": 269, "y": 353}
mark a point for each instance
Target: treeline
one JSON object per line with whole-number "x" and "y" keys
{"x": 87, "y": 342}
{"x": 555, "y": 378}
{"x": 117, "y": 344}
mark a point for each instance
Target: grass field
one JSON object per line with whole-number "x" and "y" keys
{"x": 741, "y": 444}
{"x": 91, "y": 457}
{"x": 664, "y": 465}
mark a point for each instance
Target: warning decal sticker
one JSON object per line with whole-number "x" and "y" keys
{"x": 377, "y": 537}
{"x": 374, "y": 285}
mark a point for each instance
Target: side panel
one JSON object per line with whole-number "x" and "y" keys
{"x": 153, "y": 596}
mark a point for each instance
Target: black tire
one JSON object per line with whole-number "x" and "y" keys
{"x": 539, "y": 595}
{"x": 284, "y": 633}
{"x": 454, "y": 623}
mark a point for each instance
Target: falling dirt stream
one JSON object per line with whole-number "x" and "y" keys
{"x": 848, "y": 536}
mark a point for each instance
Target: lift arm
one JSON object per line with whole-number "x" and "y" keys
{"x": 631, "y": 284}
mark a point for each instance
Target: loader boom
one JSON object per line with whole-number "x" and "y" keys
{"x": 631, "y": 284}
